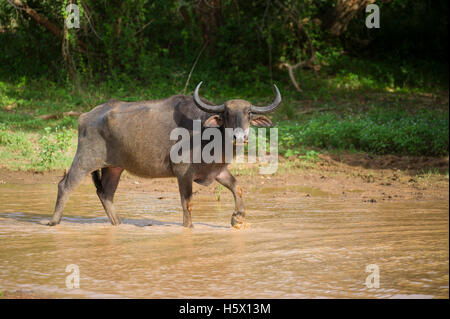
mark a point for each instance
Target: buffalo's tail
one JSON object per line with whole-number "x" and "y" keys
{"x": 97, "y": 180}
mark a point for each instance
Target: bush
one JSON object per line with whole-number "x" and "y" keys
{"x": 53, "y": 145}
{"x": 379, "y": 132}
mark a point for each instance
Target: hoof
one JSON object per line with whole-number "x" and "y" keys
{"x": 188, "y": 225}
{"x": 238, "y": 221}
{"x": 240, "y": 226}
{"x": 49, "y": 223}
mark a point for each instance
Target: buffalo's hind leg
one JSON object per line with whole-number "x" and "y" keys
{"x": 226, "y": 179}
{"x": 106, "y": 188}
{"x": 68, "y": 183}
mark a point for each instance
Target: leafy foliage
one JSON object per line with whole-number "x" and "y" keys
{"x": 138, "y": 50}
{"x": 146, "y": 40}
{"x": 379, "y": 132}
{"x": 53, "y": 146}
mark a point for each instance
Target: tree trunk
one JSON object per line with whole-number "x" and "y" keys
{"x": 43, "y": 21}
{"x": 338, "y": 18}
{"x": 209, "y": 15}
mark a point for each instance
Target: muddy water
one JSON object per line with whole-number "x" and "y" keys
{"x": 296, "y": 246}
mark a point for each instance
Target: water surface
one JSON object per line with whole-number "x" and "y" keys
{"x": 296, "y": 246}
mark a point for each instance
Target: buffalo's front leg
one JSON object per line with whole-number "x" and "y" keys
{"x": 185, "y": 187}
{"x": 226, "y": 179}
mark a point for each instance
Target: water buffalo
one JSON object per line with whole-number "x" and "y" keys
{"x": 135, "y": 136}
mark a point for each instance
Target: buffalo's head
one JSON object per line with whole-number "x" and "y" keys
{"x": 237, "y": 114}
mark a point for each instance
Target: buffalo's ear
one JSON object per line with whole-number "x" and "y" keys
{"x": 213, "y": 121}
{"x": 261, "y": 121}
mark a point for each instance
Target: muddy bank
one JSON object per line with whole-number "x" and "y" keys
{"x": 371, "y": 179}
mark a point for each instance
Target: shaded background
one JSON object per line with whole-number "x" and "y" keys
{"x": 245, "y": 41}
{"x": 382, "y": 91}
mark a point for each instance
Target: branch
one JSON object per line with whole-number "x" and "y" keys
{"x": 54, "y": 116}
{"x": 193, "y": 66}
{"x": 291, "y": 69}
{"x": 303, "y": 64}
{"x": 14, "y": 5}
{"x": 10, "y": 108}
{"x": 88, "y": 18}
{"x": 43, "y": 21}
{"x": 312, "y": 111}
{"x": 142, "y": 29}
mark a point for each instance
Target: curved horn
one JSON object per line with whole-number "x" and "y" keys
{"x": 206, "y": 107}
{"x": 268, "y": 108}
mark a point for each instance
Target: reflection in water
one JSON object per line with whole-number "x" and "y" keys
{"x": 296, "y": 247}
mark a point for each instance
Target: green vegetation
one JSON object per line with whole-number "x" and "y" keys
{"x": 219, "y": 192}
{"x": 50, "y": 149}
{"x": 378, "y": 131}
{"x": 379, "y": 91}
{"x": 388, "y": 123}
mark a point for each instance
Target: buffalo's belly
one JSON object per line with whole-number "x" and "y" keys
{"x": 150, "y": 173}
{"x": 145, "y": 165}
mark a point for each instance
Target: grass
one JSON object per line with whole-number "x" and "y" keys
{"x": 349, "y": 106}
{"x": 377, "y": 131}
{"x": 51, "y": 149}
{"x": 219, "y": 192}
{"x": 427, "y": 175}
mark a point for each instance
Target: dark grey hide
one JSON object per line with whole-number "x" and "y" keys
{"x": 135, "y": 136}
